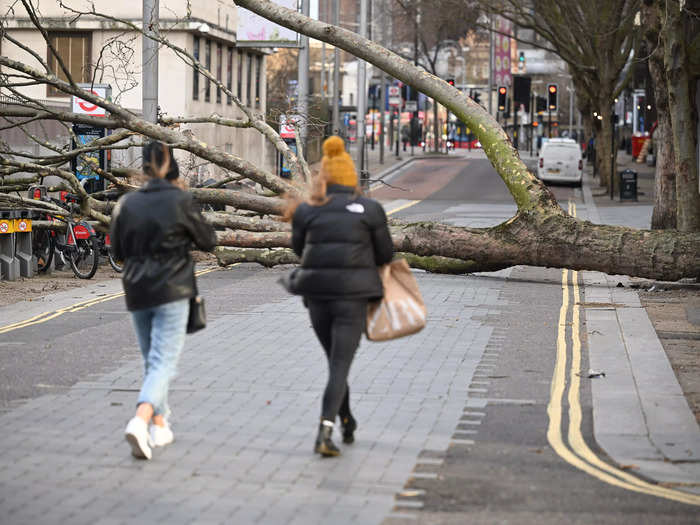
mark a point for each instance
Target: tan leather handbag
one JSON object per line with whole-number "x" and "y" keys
{"x": 401, "y": 311}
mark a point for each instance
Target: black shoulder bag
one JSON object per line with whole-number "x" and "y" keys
{"x": 198, "y": 315}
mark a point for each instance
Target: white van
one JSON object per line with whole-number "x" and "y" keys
{"x": 560, "y": 160}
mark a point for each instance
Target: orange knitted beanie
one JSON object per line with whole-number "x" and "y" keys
{"x": 337, "y": 164}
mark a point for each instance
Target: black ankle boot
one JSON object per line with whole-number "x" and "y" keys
{"x": 324, "y": 443}
{"x": 349, "y": 426}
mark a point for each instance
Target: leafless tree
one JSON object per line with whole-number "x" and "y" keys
{"x": 540, "y": 234}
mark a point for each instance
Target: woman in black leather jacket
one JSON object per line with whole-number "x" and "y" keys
{"x": 341, "y": 238}
{"x": 152, "y": 231}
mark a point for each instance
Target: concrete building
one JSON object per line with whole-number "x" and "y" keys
{"x": 103, "y": 51}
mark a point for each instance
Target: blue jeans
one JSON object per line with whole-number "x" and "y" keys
{"x": 161, "y": 334}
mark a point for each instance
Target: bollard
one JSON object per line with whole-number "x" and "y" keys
{"x": 23, "y": 245}
{"x": 9, "y": 264}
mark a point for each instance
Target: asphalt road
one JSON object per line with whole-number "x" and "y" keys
{"x": 506, "y": 470}
{"x": 511, "y": 474}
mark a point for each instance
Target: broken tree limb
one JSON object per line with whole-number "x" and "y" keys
{"x": 239, "y": 199}
{"x": 265, "y": 257}
{"x": 252, "y": 224}
{"x": 244, "y": 239}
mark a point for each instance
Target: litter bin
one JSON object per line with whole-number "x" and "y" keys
{"x": 628, "y": 185}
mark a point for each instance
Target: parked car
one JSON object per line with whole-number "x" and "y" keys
{"x": 561, "y": 161}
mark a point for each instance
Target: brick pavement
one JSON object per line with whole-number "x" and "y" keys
{"x": 246, "y": 406}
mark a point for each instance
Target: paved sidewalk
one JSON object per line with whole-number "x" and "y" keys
{"x": 245, "y": 412}
{"x": 641, "y": 417}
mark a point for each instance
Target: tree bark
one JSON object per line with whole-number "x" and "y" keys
{"x": 252, "y": 224}
{"x": 240, "y": 199}
{"x": 552, "y": 240}
{"x": 664, "y": 214}
{"x": 266, "y": 257}
{"x": 684, "y": 116}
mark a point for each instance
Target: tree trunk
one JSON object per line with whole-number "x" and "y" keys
{"x": 684, "y": 117}
{"x": 559, "y": 241}
{"x": 541, "y": 234}
{"x": 664, "y": 215}
{"x": 603, "y": 144}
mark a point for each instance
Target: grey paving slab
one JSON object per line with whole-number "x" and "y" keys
{"x": 640, "y": 415}
{"x": 245, "y": 409}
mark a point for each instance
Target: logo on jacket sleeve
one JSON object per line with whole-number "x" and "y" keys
{"x": 355, "y": 207}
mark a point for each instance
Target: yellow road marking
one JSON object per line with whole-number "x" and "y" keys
{"x": 403, "y": 207}
{"x": 582, "y": 456}
{"x": 47, "y": 316}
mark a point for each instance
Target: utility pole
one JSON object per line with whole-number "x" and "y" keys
{"x": 532, "y": 120}
{"x": 324, "y": 86}
{"x": 362, "y": 99}
{"x": 303, "y": 80}
{"x": 490, "y": 90}
{"x": 336, "y": 73}
{"x": 571, "y": 111}
{"x": 149, "y": 60}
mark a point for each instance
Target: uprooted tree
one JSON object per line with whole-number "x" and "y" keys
{"x": 540, "y": 234}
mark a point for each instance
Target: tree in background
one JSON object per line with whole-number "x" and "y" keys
{"x": 540, "y": 234}
{"x": 431, "y": 28}
{"x": 595, "y": 38}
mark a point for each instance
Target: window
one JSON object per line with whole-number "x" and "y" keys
{"x": 249, "y": 80}
{"x": 195, "y": 80}
{"x": 239, "y": 88}
{"x": 258, "y": 72}
{"x": 74, "y": 50}
{"x": 207, "y": 64}
{"x": 229, "y": 74}
{"x": 219, "y": 65}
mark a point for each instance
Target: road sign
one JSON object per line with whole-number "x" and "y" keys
{"x": 394, "y": 96}
{"x": 88, "y": 108}
{"x": 411, "y": 106}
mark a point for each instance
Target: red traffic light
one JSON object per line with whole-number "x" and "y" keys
{"x": 502, "y": 90}
{"x": 552, "y": 88}
{"x": 451, "y": 81}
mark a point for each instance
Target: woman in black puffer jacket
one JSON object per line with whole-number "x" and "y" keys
{"x": 341, "y": 238}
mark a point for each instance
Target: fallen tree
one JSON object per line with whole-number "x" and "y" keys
{"x": 540, "y": 234}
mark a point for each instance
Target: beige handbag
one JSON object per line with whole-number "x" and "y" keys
{"x": 401, "y": 311}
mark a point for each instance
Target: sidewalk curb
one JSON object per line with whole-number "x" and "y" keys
{"x": 640, "y": 415}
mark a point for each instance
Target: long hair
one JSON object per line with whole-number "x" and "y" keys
{"x": 158, "y": 161}
{"x": 316, "y": 197}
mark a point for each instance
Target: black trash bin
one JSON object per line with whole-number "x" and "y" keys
{"x": 628, "y": 185}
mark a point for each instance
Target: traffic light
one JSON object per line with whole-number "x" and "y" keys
{"x": 521, "y": 60}
{"x": 540, "y": 104}
{"x": 450, "y": 81}
{"x": 502, "y": 92}
{"x": 552, "y": 97}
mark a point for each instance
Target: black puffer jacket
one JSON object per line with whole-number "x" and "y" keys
{"x": 152, "y": 231}
{"x": 340, "y": 244}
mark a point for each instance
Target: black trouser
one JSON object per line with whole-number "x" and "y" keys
{"x": 338, "y": 325}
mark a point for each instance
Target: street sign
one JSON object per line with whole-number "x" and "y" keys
{"x": 84, "y": 107}
{"x": 411, "y": 106}
{"x": 394, "y": 96}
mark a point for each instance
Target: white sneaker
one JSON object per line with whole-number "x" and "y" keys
{"x": 161, "y": 436}
{"x": 136, "y": 434}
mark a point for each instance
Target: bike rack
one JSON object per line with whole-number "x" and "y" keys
{"x": 9, "y": 263}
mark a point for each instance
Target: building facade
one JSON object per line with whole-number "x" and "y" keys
{"x": 103, "y": 50}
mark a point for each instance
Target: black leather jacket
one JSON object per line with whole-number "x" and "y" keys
{"x": 152, "y": 231}
{"x": 340, "y": 244}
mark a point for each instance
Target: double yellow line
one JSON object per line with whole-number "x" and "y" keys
{"x": 575, "y": 450}
{"x": 47, "y": 316}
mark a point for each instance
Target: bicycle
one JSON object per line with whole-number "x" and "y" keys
{"x": 81, "y": 247}
{"x": 105, "y": 244}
